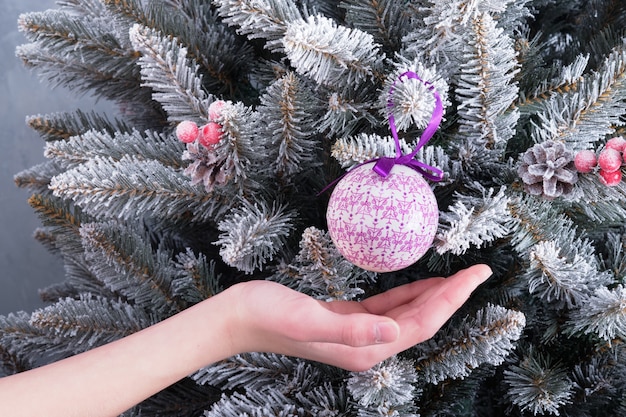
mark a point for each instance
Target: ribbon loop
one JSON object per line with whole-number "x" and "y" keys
{"x": 384, "y": 165}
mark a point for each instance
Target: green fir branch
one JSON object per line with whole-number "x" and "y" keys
{"x": 132, "y": 188}
{"x": 62, "y": 126}
{"x": 84, "y": 323}
{"x": 288, "y": 112}
{"x": 81, "y": 55}
{"x": 385, "y": 20}
{"x": 321, "y": 271}
{"x": 128, "y": 265}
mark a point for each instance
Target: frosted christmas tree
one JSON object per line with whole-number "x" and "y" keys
{"x": 234, "y": 116}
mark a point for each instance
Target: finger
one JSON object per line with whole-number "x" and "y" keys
{"x": 355, "y": 329}
{"x": 385, "y": 302}
{"x": 422, "y": 320}
{"x": 388, "y": 300}
{"x": 346, "y": 357}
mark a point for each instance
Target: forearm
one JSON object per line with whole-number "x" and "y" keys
{"x": 110, "y": 379}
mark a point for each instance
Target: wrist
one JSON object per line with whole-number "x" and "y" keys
{"x": 204, "y": 332}
{"x": 236, "y": 324}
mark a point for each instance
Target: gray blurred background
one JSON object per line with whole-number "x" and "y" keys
{"x": 25, "y": 265}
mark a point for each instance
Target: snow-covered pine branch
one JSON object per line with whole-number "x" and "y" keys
{"x": 603, "y": 314}
{"x": 122, "y": 259}
{"x": 87, "y": 322}
{"x": 321, "y": 271}
{"x": 82, "y": 55}
{"x": 332, "y": 55}
{"x": 487, "y": 86}
{"x": 150, "y": 145}
{"x": 287, "y": 116}
{"x": 412, "y": 99}
{"x": 389, "y": 384}
{"x": 252, "y": 235}
{"x": 385, "y": 20}
{"x": 172, "y": 76}
{"x": 64, "y": 125}
{"x": 454, "y": 352}
{"x": 474, "y": 221}
{"x": 590, "y": 110}
{"x": 131, "y": 188}
{"x": 564, "y": 274}
{"x": 261, "y": 19}
{"x": 538, "y": 385}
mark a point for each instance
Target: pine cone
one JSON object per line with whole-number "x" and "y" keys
{"x": 548, "y": 169}
{"x": 207, "y": 167}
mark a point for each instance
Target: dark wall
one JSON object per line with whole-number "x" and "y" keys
{"x": 25, "y": 265}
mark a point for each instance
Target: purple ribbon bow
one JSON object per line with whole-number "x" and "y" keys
{"x": 384, "y": 165}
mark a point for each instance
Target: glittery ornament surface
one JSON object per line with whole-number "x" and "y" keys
{"x": 382, "y": 224}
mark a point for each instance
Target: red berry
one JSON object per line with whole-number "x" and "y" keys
{"x": 215, "y": 110}
{"x": 618, "y": 143}
{"x": 585, "y": 161}
{"x": 187, "y": 131}
{"x": 610, "y": 179}
{"x": 610, "y": 160}
{"x": 211, "y": 134}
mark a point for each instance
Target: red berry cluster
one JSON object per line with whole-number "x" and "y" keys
{"x": 610, "y": 161}
{"x": 209, "y": 134}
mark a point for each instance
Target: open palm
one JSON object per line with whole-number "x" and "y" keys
{"x": 348, "y": 334}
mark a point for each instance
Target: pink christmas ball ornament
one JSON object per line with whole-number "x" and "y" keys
{"x": 610, "y": 179}
{"x": 585, "y": 161}
{"x": 610, "y": 160}
{"x": 187, "y": 131}
{"x": 382, "y": 224}
{"x": 618, "y": 143}
{"x": 211, "y": 134}
{"x": 215, "y": 110}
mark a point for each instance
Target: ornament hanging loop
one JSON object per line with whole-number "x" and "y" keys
{"x": 384, "y": 165}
